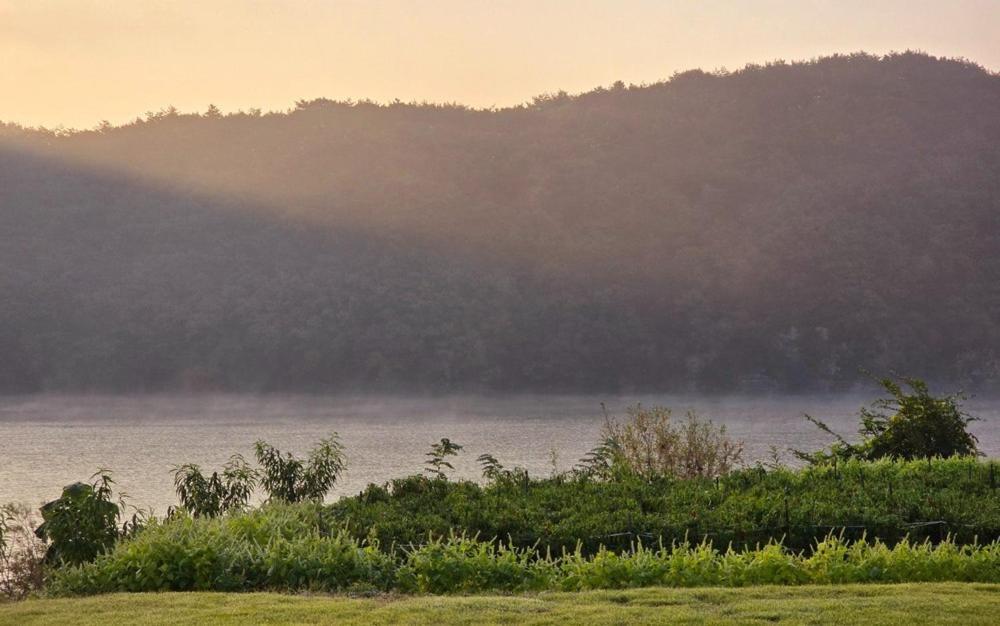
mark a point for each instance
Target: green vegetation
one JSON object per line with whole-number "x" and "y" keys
{"x": 654, "y": 480}
{"x": 917, "y": 426}
{"x": 887, "y": 499}
{"x": 286, "y": 478}
{"x": 654, "y": 504}
{"x": 81, "y": 523}
{"x": 288, "y": 548}
{"x": 775, "y": 227}
{"x": 436, "y": 463}
{"x": 215, "y": 495}
{"x": 283, "y": 477}
{"x": 959, "y": 604}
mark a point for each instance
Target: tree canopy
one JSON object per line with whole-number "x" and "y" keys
{"x": 777, "y": 227}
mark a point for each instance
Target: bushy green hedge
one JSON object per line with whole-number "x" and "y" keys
{"x": 276, "y": 547}
{"x": 885, "y": 499}
{"x": 286, "y": 548}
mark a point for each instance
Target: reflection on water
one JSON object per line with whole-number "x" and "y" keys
{"x": 49, "y": 441}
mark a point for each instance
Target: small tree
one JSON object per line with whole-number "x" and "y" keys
{"x": 492, "y": 468}
{"x": 82, "y": 523}
{"x": 495, "y": 472}
{"x": 217, "y": 494}
{"x": 912, "y": 425}
{"x": 439, "y": 451}
{"x": 287, "y": 478}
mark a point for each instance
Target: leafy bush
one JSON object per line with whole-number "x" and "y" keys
{"x": 82, "y": 523}
{"x": 287, "y": 478}
{"x": 890, "y": 499}
{"x": 463, "y": 565}
{"x": 288, "y": 547}
{"x": 650, "y": 444}
{"x": 276, "y": 547}
{"x": 215, "y": 495}
{"x": 905, "y": 425}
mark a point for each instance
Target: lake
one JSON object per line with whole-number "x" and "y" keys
{"x": 49, "y": 441}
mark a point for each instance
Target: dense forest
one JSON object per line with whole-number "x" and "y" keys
{"x": 773, "y": 228}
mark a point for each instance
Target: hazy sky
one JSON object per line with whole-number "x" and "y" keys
{"x": 75, "y": 62}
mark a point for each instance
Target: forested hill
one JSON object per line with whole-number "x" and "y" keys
{"x": 778, "y": 227}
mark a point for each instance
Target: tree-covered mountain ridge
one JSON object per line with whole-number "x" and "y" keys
{"x": 777, "y": 227}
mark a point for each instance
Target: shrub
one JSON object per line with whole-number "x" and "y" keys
{"x": 82, "y": 523}
{"x": 905, "y": 425}
{"x": 215, "y": 495}
{"x": 650, "y": 444}
{"x": 463, "y": 565}
{"x": 287, "y": 478}
{"x": 281, "y": 547}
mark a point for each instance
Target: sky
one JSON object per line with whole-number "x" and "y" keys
{"x": 73, "y": 63}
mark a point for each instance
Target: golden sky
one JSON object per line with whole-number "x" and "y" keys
{"x": 76, "y": 62}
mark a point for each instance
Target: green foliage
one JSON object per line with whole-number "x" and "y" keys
{"x": 891, "y": 499}
{"x": 832, "y": 560}
{"x": 913, "y": 425}
{"x": 290, "y": 547}
{"x": 463, "y": 565}
{"x": 495, "y": 472}
{"x": 769, "y": 228}
{"x": 82, "y": 523}
{"x": 287, "y": 478}
{"x": 215, "y": 495}
{"x": 492, "y": 468}
{"x": 276, "y": 547}
{"x": 599, "y": 462}
{"x": 439, "y": 452}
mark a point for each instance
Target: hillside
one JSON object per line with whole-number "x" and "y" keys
{"x": 778, "y": 227}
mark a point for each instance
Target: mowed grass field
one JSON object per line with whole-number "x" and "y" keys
{"x": 946, "y": 603}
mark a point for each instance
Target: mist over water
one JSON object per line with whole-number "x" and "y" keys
{"x": 47, "y": 442}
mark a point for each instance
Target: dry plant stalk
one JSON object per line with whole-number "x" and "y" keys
{"x": 650, "y": 444}
{"x": 22, "y": 554}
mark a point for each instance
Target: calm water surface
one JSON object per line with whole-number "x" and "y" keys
{"x": 49, "y": 441}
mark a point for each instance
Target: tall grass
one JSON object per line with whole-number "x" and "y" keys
{"x": 288, "y": 547}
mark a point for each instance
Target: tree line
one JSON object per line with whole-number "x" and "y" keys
{"x": 773, "y": 228}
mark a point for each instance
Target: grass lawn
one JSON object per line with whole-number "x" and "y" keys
{"x": 948, "y": 603}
